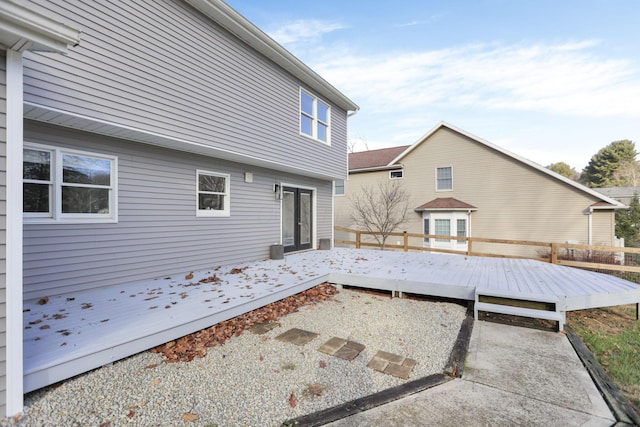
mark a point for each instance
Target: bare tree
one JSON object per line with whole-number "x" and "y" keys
{"x": 381, "y": 209}
{"x": 627, "y": 174}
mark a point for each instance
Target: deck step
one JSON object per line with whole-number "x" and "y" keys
{"x": 520, "y": 311}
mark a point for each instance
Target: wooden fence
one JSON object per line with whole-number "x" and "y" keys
{"x": 606, "y": 258}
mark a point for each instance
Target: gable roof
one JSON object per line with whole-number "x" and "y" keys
{"x": 613, "y": 204}
{"x": 372, "y": 159}
{"x": 446, "y": 203}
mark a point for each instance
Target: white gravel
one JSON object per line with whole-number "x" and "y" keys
{"x": 249, "y": 380}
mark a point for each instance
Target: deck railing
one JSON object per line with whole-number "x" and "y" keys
{"x": 624, "y": 262}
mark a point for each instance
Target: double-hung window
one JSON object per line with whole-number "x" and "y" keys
{"x": 444, "y": 179}
{"x": 315, "y": 117}
{"x": 213, "y": 190}
{"x": 68, "y": 185}
{"x": 338, "y": 187}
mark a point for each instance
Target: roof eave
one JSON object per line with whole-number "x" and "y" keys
{"x": 235, "y": 23}
{"x": 22, "y": 28}
{"x": 376, "y": 169}
{"x": 508, "y": 153}
{"x": 445, "y": 209}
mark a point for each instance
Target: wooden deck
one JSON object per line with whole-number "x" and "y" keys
{"x": 77, "y": 332}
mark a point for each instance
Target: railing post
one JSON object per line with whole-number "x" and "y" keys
{"x": 554, "y": 253}
{"x": 358, "y": 234}
{"x": 469, "y": 247}
{"x": 406, "y": 241}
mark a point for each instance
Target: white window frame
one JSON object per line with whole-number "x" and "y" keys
{"x": 56, "y": 183}
{"x": 396, "y": 171}
{"x": 452, "y": 217}
{"x": 315, "y": 121}
{"x": 209, "y": 213}
{"x": 336, "y": 186}
{"x": 438, "y": 189}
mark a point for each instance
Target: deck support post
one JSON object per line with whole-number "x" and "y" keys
{"x": 358, "y": 238}
{"x": 554, "y": 253}
{"x": 406, "y": 241}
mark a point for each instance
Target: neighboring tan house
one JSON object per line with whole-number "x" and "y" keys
{"x": 154, "y": 137}
{"x": 461, "y": 185}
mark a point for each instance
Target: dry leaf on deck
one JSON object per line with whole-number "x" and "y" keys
{"x": 189, "y": 417}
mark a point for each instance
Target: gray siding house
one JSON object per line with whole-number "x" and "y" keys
{"x": 147, "y": 138}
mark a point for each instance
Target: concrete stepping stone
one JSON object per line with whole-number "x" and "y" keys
{"x": 392, "y": 364}
{"x": 263, "y": 327}
{"x": 297, "y": 336}
{"x": 341, "y": 348}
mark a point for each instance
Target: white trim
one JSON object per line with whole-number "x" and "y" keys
{"x": 14, "y": 322}
{"x": 438, "y": 190}
{"x": 616, "y": 204}
{"x": 202, "y": 213}
{"x": 22, "y": 28}
{"x": 396, "y": 177}
{"x": 315, "y": 121}
{"x": 56, "y": 215}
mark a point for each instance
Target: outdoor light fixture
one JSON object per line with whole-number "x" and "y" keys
{"x": 277, "y": 189}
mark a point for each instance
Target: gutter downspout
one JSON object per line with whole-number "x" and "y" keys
{"x": 590, "y": 225}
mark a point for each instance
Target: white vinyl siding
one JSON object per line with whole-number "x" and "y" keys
{"x": 66, "y": 185}
{"x": 164, "y": 68}
{"x": 157, "y": 231}
{"x": 213, "y": 194}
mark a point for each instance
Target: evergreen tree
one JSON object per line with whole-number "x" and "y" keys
{"x": 628, "y": 223}
{"x": 603, "y": 165}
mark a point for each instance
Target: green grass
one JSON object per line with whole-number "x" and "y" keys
{"x": 618, "y": 351}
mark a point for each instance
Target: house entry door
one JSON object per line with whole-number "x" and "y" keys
{"x": 297, "y": 215}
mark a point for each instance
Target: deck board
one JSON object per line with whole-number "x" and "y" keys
{"x": 85, "y": 330}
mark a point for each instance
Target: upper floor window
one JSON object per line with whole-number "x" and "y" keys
{"x": 315, "y": 116}
{"x": 444, "y": 178}
{"x": 213, "y": 190}
{"x": 397, "y": 174}
{"x": 68, "y": 185}
{"x": 338, "y": 189}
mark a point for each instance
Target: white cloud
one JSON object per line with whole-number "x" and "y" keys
{"x": 304, "y": 31}
{"x": 566, "y": 78}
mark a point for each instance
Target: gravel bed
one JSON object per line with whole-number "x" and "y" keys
{"x": 256, "y": 380}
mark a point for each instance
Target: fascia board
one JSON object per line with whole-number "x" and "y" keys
{"x": 30, "y": 30}
{"x": 235, "y": 23}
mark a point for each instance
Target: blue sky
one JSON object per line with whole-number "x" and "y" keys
{"x": 548, "y": 80}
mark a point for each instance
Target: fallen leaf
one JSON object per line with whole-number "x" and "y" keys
{"x": 70, "y": 298}
{"x": 189, "y": 276}
{"x": 43, "y": 301}
{"x": 322, "y": 364}
{"x": 292, "y": 400}
{"x": 189, "y": 417}
{"x": 155, "y": 382}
